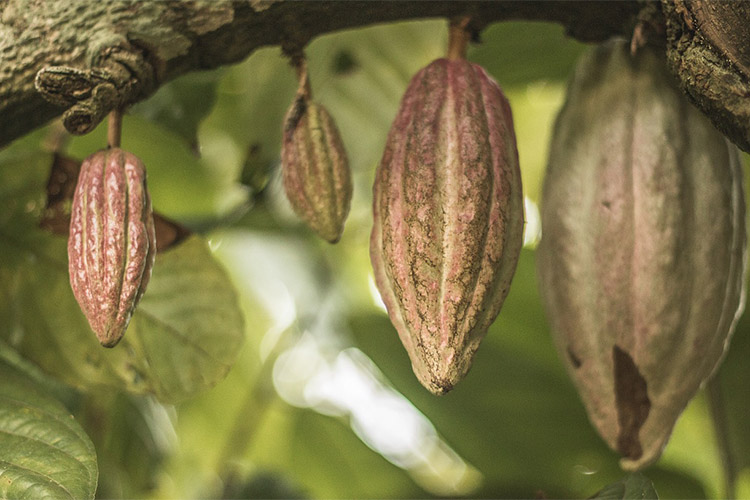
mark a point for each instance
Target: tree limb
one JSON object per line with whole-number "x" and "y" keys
{"x": 83, "y": 58}
{"x": 708, "y": 48}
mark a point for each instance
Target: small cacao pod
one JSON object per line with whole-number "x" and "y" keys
{"x": 448, "y": 217}
{"x": 112, "y": 244}
{"x": 642, "y": 256}
{"x": 315, "y": 169}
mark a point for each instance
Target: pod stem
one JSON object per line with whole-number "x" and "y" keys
{"x": 300, "y": 65}
{"x": 114, "y": 128}
{"x": 721, "y": 430}
{"x": 458, "y": 38}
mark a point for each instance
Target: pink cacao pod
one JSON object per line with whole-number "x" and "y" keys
{"x": 448, "y": 217}
{"x": 315, "y": 169}
{"x": 112, "y": 244}
{"x": 643, "y": 249}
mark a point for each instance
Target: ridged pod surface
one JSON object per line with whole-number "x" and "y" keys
{"x": 642, "y": 257}
{"x": 448, "y": 217}
{"x": 112, "y": 244}
{"x": 315, "y": 169}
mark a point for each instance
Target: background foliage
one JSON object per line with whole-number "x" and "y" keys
{"x": 260, "y": 362}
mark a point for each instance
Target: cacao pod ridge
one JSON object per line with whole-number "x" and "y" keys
{"x": 112, "y": 243}
{"x": 448, "y": 217}
{"x": 643, "y": 252}
{"x": 315, "y": 168}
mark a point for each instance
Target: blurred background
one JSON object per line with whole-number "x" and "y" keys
{"x": 319, "y": 400}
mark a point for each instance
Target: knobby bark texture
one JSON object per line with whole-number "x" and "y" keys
{"x": 82, "y": 58}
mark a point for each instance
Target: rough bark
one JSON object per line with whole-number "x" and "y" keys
{"x": 82, "y": 58}
{"x": 708, "y": 48}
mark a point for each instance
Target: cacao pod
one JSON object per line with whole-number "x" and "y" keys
{"x": 112, "y": 244}
{"x": 642, "y": 256}
{"x": 448, "y": 217}
{"x": 315, "y": 169}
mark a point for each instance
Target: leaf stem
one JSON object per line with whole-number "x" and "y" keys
{"x": 721, "y": 429}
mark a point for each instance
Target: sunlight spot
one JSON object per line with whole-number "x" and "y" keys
{"x": 349, "y": 385}
{"x": 295, "y": 367}
{"x": 586, "y": 471}
{"x": 533, "y": 229}
{"x": 375, "y": 294}
{"x": 214, "y": 243}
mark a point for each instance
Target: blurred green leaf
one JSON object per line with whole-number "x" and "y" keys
{"x": 326, "y": 459}
{"x": 242, "y": 133}
{"x": 516, "y": 417}
{"x": 181, "y": 104}
{"x": 525, "y": 51}
{"x": 183, "y": 337}
{"x": 188, "y": 328}
{"x": 281, "y": 286}
{"x": 636, "y": 486}
{"x": 132, "y": 435}
{"x": 44, "y": 453}
{"x": 184, "y": 187}
{"x": 733, "y": 375}
{"x": 262, "y": 484}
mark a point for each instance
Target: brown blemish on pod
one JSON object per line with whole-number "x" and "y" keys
{"x": 631, "y": 400}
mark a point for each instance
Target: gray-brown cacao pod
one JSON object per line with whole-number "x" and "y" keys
{"x": 448, "y": 217}
{"x": 315, "y": 169}
{"x": 111, "y": 246}
{"x": 642, "y": 257}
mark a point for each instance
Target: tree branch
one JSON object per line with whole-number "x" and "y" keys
{"x": 708, "y": 48}
{"x": 83, "y": 58}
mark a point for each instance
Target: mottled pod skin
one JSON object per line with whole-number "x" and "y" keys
{"x": 448, "y": 217}
{"x": 315, "y": 169}
{"x": 642, "y": 257}
{"x": 112, "y": 243}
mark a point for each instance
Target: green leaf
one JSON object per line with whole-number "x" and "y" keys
{"x": 635, "y": 486}
{"x": 520, "y": 52}
{"x": 44, "y": 453}
{"x": 188, "y": 328}
{"x": 183, "y": 186}
{"x": 181, "y": 104}
{"x": 183, "y": 337}
{"x": 242, "y": 132}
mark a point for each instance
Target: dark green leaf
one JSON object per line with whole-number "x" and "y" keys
{"x": 133, "y": 435}
{"x": 44, "y": 453}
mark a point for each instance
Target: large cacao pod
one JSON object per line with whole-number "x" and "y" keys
{"x": 642, "y": 256}
{"x": 315, "y": 169}
{"x": 111, "y": 246}
{"x": 448, "y": 217}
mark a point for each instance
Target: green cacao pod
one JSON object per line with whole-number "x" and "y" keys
{"x": 315, "y": 169}
{"x": 642, "y": 257}
{"x": 112, "y": 244}
{"x": 448, "y": 217}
